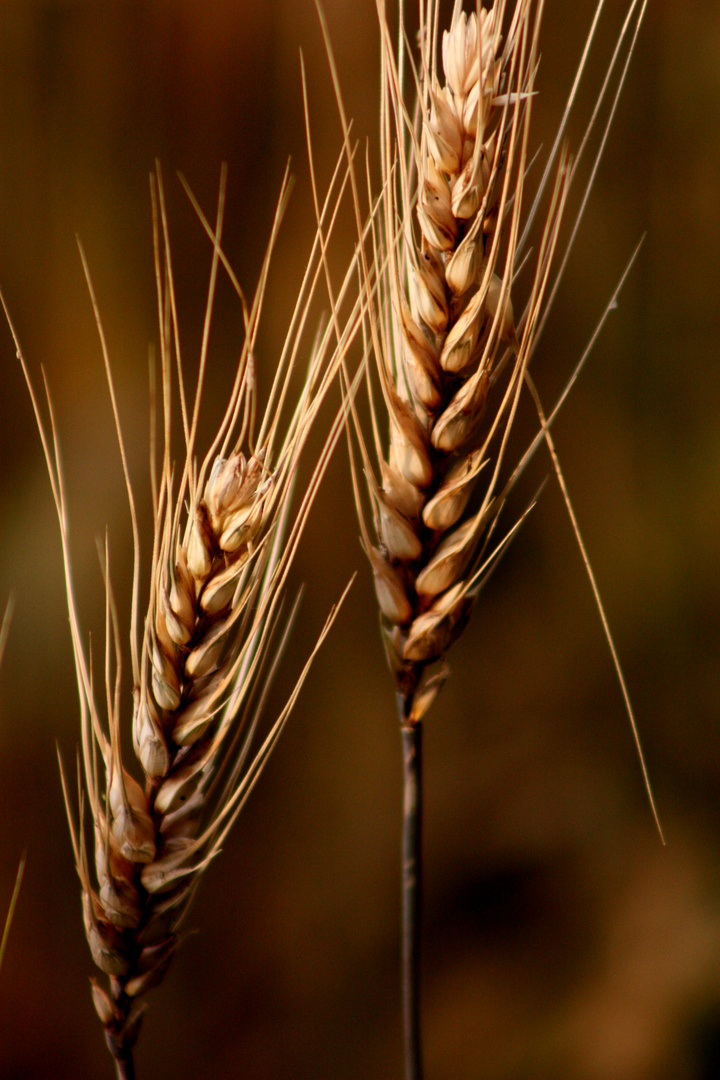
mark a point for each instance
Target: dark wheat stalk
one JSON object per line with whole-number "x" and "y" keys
{"x": 203, "y": 654}
{"x": 449, "y": 243}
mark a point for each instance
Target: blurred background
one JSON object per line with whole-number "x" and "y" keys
{"x": 561, "y": 938}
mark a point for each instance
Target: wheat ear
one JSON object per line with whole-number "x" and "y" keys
{"x": 443, "y": 335}
{"x": 452, "y": 358}
{"x": 203, "y": 655}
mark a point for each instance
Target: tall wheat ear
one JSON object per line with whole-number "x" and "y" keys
{"x": 225, "y": 535}
{"x": 449, "y": 249}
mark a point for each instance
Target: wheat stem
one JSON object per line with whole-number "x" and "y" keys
{"x": 412, "y": 896}
{"x": 123, "y": 1057}
{"x": 125, "y": 1068}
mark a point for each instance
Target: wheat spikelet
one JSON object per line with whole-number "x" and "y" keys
{"x": 203, "y": 655}
{"x": 444, "y": 334}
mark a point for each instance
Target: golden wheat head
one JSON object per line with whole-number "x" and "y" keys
{"x": 443, "y": 331}
{"x": 203, "y": 653}
{"x": 450, "y": 235}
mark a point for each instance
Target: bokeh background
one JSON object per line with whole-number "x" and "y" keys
{"x": 561, "y": 938}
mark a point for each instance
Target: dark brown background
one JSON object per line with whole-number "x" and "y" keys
{"x": 562, "y": 940}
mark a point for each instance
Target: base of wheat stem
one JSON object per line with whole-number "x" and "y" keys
{"x": 124, "y": 1061}
{"x": 121, "y": 1032}
{"x": 412, "y": 894}
{"x": 125, "y": 1067}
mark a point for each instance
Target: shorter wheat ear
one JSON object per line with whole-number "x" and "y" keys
{"x": 204, "y": 651}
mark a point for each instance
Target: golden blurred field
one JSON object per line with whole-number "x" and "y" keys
{"x": 562, "y": 941}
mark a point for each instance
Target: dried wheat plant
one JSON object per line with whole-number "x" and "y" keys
{"x": 202, "y": 657}
{"x": 449, "y": 248}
